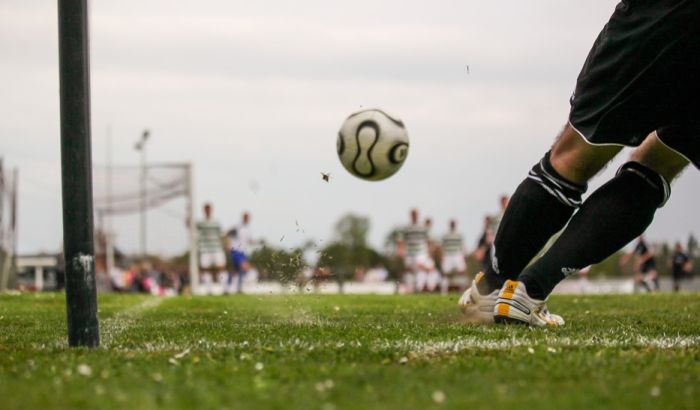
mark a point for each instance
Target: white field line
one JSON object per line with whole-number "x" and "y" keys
{"x": 114, "y": 326}
{"x": 430, "y": 347}
{"x": 476, "y": 343}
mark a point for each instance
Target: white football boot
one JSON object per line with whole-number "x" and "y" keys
{"x": 514, "y": 305}
{"x": 478, "y": 308}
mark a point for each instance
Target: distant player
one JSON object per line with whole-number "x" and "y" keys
{"x": 496, "y": 219}
{"x": 240, "y": 242}
{"x": 433, "y": 242}
{"x": 482, "y": 253}
{"x": 454, "y": 263}
{"x": 412, "y": 245}
{"x": 680, "y": 266}
{"x": 584, "y": 285}
{"x": 638, "y": 87}
{"x": 646, "y": 274}
{"x": 479, "y": 309}
{"x": 212, "y": 260}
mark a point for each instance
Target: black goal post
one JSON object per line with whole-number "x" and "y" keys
{"x": 76, "y": 173}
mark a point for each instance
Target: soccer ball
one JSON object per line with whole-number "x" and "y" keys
{"x": 372, "y": 145}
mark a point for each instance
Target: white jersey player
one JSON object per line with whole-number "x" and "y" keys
{"x": 212, "y": 260}
{"x": 413, "y": 247}
{"x": 454, "y": 265}
{"x": 453, "y": 254}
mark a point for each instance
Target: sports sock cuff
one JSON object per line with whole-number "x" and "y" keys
{"x": 651, "y": 177}
{"x": 565, "y": 191}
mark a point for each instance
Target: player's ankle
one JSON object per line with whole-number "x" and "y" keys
{"x": 489, "y": 283}
{"x": 533, "y": 288}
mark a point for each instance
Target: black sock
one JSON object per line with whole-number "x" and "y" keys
{"x": 538, "y": 209}
{"x": 615, "y": 213}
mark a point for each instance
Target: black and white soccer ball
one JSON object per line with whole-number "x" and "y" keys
{"x": 372, "y": 144}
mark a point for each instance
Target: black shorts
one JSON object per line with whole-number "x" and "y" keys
{"x": 678, "y": 274}
{"x": 643, "y": 75}
{"x": 648, "y": 266}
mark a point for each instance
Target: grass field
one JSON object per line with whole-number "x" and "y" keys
{"x": 350, "y": 352}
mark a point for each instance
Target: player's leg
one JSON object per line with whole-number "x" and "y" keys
{"x": 542, "y": 204}
{"x": 611, "y": 217}
{"x": 640, "y": 285}
{"x": 652, "y": 278}
{"x": 234, "y": 276}
{"x": 206, "y": 264}
{"x": 423, "y": 268}
{"x": 409, "y": 274}
{"x": 677, "y": 277}
{"x": 221, "y": 272}
{"x": 641, "y": 74}
{"x": 244, "y": 267}
{"x": 432, "y": 275}
{"x": 421, "y": 280}
{"x": 444, "y": 285}
{"x": 448, "y": 272}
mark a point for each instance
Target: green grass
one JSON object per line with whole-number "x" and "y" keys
{"x": 350, "y": 352}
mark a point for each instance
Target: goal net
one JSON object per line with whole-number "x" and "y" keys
{"x": 121, "y": 191}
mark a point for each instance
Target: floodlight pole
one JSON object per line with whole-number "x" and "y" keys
{"x": 76, "y": 173}
{"x": 141, "y": 146}
{"x": 109, "y": 244}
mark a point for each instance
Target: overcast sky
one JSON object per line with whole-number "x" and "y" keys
{"x": 253, "y": 93}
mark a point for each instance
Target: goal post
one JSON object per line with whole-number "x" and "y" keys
{"x": 192, "y": 233}
{"x": 76, "y": 173}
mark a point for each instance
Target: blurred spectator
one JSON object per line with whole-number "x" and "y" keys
{"x": 681, "y": 266}
{"x": 482, "y": 254}
{"x": 496, "y": 219}
{"x": 376, "y": 274}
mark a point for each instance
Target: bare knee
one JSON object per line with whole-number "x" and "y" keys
{"x": 654, "y": 154}
{"x": 577, "y": 160}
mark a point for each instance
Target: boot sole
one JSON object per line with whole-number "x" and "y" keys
{"x": 509, "y": 320}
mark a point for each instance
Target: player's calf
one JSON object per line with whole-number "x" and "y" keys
{"x": 540, "y": 207}
{"x": 611, "y": 217}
